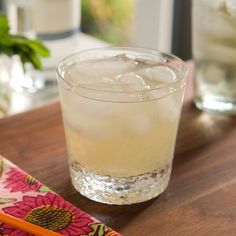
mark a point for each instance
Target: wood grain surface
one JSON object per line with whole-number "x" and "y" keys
{"x": 200, "y": 199}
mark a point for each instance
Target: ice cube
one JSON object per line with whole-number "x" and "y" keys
{"x": 94, "y": 108}
{"x": 74, "y": 74}
{"x": 120, "y": 75}
{"x": 157, "y": 76}
{"x": 106, "y": 67}
{"x": 99, "y": 72}
{"x": 132, "y": 82}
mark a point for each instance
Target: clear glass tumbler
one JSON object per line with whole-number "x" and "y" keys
{"x": 214, "y": 49}
{"x": 121, "y": 110}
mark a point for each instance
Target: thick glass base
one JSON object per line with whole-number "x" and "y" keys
{"x": 210, "y": 104}
{"x": 119, "y": 191}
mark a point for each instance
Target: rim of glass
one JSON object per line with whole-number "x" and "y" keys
{"x": 184, "y": 69}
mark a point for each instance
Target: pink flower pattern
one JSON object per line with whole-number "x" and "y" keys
{"x": 51, "y": 212}
{"x": 42, "y": 207}
{"x": 17, "y": 180}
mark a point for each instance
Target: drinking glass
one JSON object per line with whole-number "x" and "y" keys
{"x": 214, "y": 49}
{"x": 121, "y": 110}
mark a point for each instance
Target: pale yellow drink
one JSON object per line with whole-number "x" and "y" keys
{"x": 121, "y": 116}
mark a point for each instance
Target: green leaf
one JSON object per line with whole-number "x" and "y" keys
{"x": 4, "y": 26}
{"x": 98, "y": 230}
{"x": 19, "y": 39}
{"x": 39, "y": 48}
{"x": 44, "y": 189}
{"x": 6, "y": 50}
{"x": 6, "y": 40}
{"x": 35, "y": 60}
{"x": 29, "y": 51}
{"x": 6, "y": 200}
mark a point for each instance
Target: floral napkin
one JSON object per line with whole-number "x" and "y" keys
{"x": 24, "y": 197}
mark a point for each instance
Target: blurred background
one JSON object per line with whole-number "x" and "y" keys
{"x": 160, "y": 24}
{"x": 68, "y": 26}
{"x": 163, "y": 24}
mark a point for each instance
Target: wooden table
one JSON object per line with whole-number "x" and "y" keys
{"x": 200, "y": 199}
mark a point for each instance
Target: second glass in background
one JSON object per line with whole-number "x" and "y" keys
{"x": 214, "y": 49}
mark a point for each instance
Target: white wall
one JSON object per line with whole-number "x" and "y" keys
{"x": 153, "y": 24}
